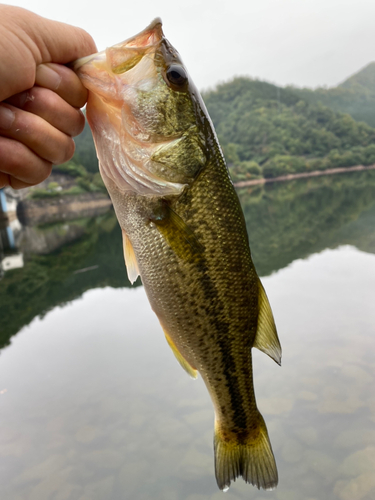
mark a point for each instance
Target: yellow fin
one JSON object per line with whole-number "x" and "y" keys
{"x": 185, "y": 365}
{"x": 248, "y": 456}
{"x": 130, "y": 260}
{"x": 266, "y": 338}
{"x": 177, "y": 233}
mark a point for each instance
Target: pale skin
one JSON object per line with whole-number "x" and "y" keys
{"x": 40, "y": 97}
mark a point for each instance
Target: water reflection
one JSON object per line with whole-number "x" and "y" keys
{"x": 285, "y": 222}
{"x": 94, "y": 405}
{"x": 47, "y": 281}
{"x": 292, "y": 220}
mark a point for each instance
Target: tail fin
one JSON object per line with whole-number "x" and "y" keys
{"x": 250, "y": 457}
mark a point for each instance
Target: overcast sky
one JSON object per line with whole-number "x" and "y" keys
{"x": 301, "y": 42}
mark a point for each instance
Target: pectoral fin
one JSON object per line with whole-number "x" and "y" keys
{"x": 130, "y": 260}
{"x": 185, "y": 365}
{"x": 177, "y": 233}
{"x": 266, "y": 338}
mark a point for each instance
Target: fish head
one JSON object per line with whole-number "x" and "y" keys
{"x": 147, "y": 118}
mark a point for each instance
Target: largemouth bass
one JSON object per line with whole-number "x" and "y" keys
{"x": 185, "y": 234}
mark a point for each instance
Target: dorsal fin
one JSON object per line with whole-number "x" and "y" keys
{"x": 185, "y": 365}
{"x": 266, "y": 338}
{"x": 130, "y": 260}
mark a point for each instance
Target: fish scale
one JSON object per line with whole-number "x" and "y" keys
{"x": 186, "y": 239}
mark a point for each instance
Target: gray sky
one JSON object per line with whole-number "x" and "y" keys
{"x": 301, "y": 42}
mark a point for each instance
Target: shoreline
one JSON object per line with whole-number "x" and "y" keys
{"x": 34, "y": 212}
{"x": 302, "y": 175}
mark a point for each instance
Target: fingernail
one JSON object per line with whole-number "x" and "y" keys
{"x": 47, "y": 77}
{"x": 6, "y": 117}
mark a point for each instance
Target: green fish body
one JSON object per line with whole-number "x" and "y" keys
{"x": 185, "y": 234}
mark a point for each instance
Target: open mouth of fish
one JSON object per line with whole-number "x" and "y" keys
{"x": 121, "y": 80}
{"x": 125, "y": 55}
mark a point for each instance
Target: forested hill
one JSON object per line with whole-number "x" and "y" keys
{"x": 268, "y": 131}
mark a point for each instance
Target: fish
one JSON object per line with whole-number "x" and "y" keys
{"x": 184, "y": 233}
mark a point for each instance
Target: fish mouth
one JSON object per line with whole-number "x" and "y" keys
{"x": 125, "y": 55}
{"x": 126, "y": 84}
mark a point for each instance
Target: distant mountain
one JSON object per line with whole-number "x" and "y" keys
{"x": 355, "y": 96}
{"x": 363, "y": 79}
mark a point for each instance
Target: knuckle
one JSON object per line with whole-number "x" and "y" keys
{"x": 66, "y": 152}
{"x": 41, "y": 99}
{"x": 40, "y": 173}
{"x": 80, "y": 96}
{"x": 4, "y": 180}
{"x": 79, "y": 123}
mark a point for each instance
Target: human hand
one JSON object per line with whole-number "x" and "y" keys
{"x": 39, "y": 96}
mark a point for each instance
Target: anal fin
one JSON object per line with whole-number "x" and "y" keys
{"x": 266, "y": 338}
{"x": 130, "y": 259}
{"x": 192, "y": 372}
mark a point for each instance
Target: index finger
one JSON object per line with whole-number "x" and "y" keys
{"x": 63, "y": 81}
{"x": 27, "y": 40}
{"x": 45, "y": 39}
{"x": 59, "y": 42}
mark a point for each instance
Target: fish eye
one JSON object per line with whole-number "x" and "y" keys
{"x": 176, "y": 75}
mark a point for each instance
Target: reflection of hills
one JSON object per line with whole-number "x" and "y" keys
{"x": 47, "y": 281}
{"x": 360, "y": 233}
{"x": 285, "y": 221}
{"x": 290, "y": 221}
{"x": 45, "y": 240}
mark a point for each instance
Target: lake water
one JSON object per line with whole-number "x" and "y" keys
{"x": 94, "y": 406}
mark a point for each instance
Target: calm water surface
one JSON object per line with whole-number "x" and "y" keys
{"x": 93, "y": 404}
